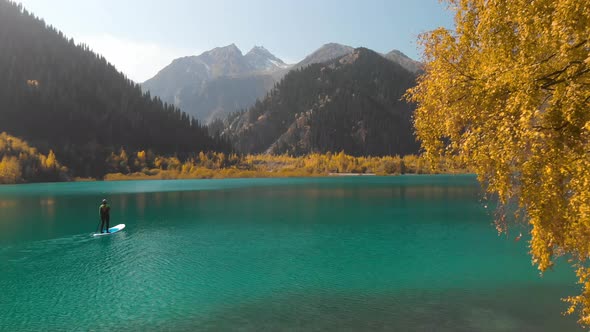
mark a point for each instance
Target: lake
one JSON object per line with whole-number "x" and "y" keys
{"x": 406, "y": 253}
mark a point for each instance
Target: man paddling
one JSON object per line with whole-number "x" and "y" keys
{"x": 105, "y": 215}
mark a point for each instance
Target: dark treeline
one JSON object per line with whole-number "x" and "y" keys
{"x": 62, "y": 96}
{"x": 352, "y": 104}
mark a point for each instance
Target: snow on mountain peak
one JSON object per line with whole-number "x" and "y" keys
{"x": 261, "y": 59}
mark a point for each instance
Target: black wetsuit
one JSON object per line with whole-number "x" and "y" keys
{"x": 105, "y": 216}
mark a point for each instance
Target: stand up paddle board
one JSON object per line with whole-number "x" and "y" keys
{"x": 112, "y": 230}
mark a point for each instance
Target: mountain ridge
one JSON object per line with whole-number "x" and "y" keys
{"x": 325, "y": 53}
{"x": 405, "y": 61}
{"x": 202, "y": 85}
{"x": 261, "y": 59}
{"x": 351, "y": 104}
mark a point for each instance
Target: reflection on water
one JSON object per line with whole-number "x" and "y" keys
{"x": 4, "y": 203}
{"x": 378, "y": 254}
{"x": 141, "y": 204}
{"x": 47, "y": 201}
{"x": 48, "y": 208}
{"x": 497, "y": 310}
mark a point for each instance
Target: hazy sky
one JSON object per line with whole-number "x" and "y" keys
{"x": 140, "y": 37}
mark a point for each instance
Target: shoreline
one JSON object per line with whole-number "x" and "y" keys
{"x": 357, "y": 174}
{"x": 333, "y": 175}
{"x": 213, "y": 165}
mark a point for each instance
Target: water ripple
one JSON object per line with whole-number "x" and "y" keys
{"x": 342, "y": 255}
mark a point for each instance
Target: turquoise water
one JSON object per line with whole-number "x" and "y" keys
{"x": 410, "y": 253}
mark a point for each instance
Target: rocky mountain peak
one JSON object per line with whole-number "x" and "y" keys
{"x": 325, "y": 53}
{"x": 398, "y": 53}
{"x": 261, "y": 59}
{"x": 260, "y": 50}
{"x": 404, "y": 61}
{"x": 226, "y": 51}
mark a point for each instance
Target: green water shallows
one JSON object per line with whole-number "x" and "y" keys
{"x": 411, "y": 253}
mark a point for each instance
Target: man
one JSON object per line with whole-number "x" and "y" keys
{"x": 105, "y": 215}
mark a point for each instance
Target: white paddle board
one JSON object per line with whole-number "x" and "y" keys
{"x": 112, "y": 230}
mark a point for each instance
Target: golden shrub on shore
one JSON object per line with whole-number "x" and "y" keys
{"x": 21, "y": 163}
{"x": 214, "y": 165}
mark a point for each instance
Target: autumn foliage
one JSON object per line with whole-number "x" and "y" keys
{"x": 509, "y": 92}
{"x": 21, "y": 163}
{"x": 145, "y": 165}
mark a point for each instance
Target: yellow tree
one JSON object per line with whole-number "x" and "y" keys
{"x": 50, "y": 162}
{"x": 509, "y": 91}
{"x": 10, "y": 170}
{"x": 141, "y": 162}
{"x": 123, "y": 161}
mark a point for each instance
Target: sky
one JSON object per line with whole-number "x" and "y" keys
{"x": 140, "y": 37}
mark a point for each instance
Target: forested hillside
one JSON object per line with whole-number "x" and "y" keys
{"x": 350, "y": 104}
{"x": 62, "y": 96}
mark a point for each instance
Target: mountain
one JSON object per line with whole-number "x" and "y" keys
{"x": 58, "y": 95}
{"x": 217, "y": 82}
{"x": 194, "y": 71}
{"x": 404, "y": 61}
{"x": 352, "y": 103}
{"x": 260, "y": 59}
{"x": 325, "y": 53}
{"x": 223, "y": 80}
